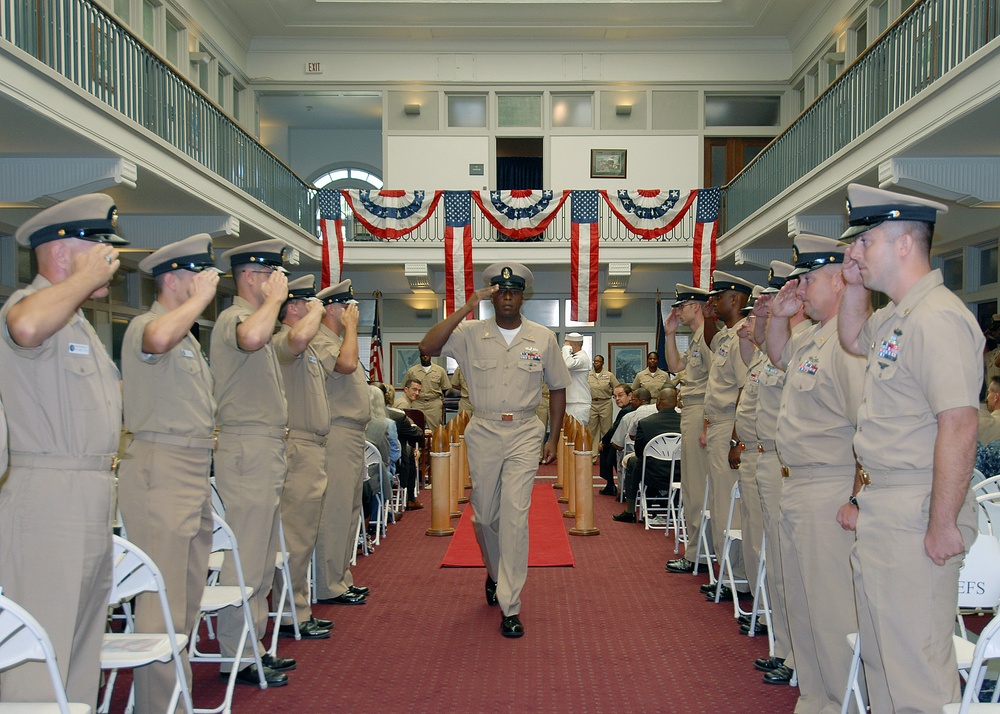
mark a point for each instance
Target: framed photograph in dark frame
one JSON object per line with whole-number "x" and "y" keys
{"x": 402, "y": 356}
{"x": 627, "y": 359}
{"x": 608, "y": 163}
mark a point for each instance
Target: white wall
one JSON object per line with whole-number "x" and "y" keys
{"x": 313, "y": 149}
{"x": 437, "y": 162}
{"x": 651, "y": 162}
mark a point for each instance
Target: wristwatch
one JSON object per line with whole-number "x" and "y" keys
{"x": 733, "y": 443}
{"x": 853, "y": 500}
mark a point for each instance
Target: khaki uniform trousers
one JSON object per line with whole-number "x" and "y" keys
{"x": 769, "y": 483}
{"x": 816, "y": 566}
{"x": 55, "y": 536}
{"x": 751, "y": 514}
{"x": 906, "y": 603}
{"x": 433, "y": 410}
{"x": 600, "y": 420}
{"x": 721, "y": 479}
{"x": 301, "y": 505}
{"x": 165, "y": 499}
{"x": 503, "y": 461}
{"x": 694, "y": 473}
{"x": 249, "y": 473}
{"x": 338, "y": 523}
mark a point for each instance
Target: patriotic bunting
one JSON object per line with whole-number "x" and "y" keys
{"x": 520, "y": 214}
{"x": 459, "y": 281}
{"x": 584, "y": 256}
{"x": 391, "y": 214}
{"x": 331, "y": 224}
{"x": 706, "y": 233}
{"x": 649, "y": 213}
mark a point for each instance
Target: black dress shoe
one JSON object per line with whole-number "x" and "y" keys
{"x": 491, "y": 591}
{"x": 761, "y": 629}
{"x": 624, "y": 517}
{"x": 510, "y": 626}
{"x": 768, "y": 664}
{"x": 608, "y": 490}
{"x": 278, "y": 664}
{"x": 345, "y": 598}
{"x": 725, "y": 594}
{"x": 710, "y": 588}
{"x": 414, "y": 506}
{"x": 359, "y": 590}
{"x": 745, "y": 620}
{"x": 248, "y": 675}
{"x": 680, "y": 565}
{"x": 321, "y": 623}
{"x": 781, "y": 675}
{"x": 307, "y": 630}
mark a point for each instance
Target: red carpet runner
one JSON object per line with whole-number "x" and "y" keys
{"x": 548, "y": 543}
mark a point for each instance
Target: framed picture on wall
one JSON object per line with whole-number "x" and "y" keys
{"x": 607, "y": 163}
{"x": 627, "y": 359}
{"x": 403, "y": 355}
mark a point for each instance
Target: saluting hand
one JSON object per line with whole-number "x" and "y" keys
{"x": 671, "y": 322}
{"x": 313, "y": 306}
{"x": 851, "y": 271}
{"x": 786, "y": 303}
{"x": 96, "y": 265}
{"x": 202, "y": 287}
{"x": 275, "y": 287}
{"x": 480, "y": 295}
{"x": 351, "y": 315}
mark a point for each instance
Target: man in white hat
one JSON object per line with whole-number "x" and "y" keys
{"x": 350, "y": 412}
{"x": 578, "y": 363}
{"x": 305, "y": 449}
{"x": 60, "y": 390}
{"x": 505, "y": 360}
{"x": 250, "y": 461}
{"x": 916, "y": 443}
{"x": 163, "y": 489}
{"x": 814, "y": 431}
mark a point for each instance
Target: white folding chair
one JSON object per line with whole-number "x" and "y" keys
{"x": 703, "y": 551}
{"x": 133, "y": 573}
{"x": 373, "y": 457}
{"x": 761, "y": 602}
{"x": 286, "y": 596}
{"x": 662, "y": 447}
{"x": 218, "y": 597}
{"x": 990, "y": 503}
{"x": 987, "y": 648}
{"x": 732, "y": 536}
{"x": 964, "y": 651}
{"x": 22, "y": 639}
{"x": 979, "y": 578}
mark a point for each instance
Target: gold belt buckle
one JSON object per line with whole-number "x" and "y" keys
{"x": 114, "y": 463}
{"x": 760, "y": 448}
{"x": 865, "y": 478}
{"x": 507, "y": 417}
{"x": 785, "y": 473}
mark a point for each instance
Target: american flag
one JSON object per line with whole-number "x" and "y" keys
{"x": 584, "y": 255}
{"x": 331, "y": 220}
{"x": 706, "y": 232}
{"x": 458, "y": 276}
{"x": 375, "y": 358}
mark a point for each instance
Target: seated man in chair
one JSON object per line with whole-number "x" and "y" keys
{"x": 665, "y": 421}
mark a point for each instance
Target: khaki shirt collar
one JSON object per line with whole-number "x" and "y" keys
{"x": 917, "y": 293}
{"x": 40, "y": 282}
{"x": 492, "y": 332}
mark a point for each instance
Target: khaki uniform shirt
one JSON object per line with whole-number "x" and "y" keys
{"x": 746, "y": 410}
{"x": 434, "y": 383}
{"x": 726, "y": 375}
{"x": 653, "y": 381}
{"x": 923, "y": 358}
{"x": 507, "y": 378}
{"x": 63, "y": 397}
{"x": 347, "y": 393}
{"x": 248, "y": 385}
{"x": 989, "y": 427}
{"x": 772, "y": 381}
{"x": 820, "y": 401}
{"x": 3, "y": 440}
{"x": 305, "y": 386}
{"x": 403, "y": 402}
{"x": 169, "y": 393}
{"x": 697, "y": 359}
{"x": 458, "y": 382}
{"x": 602, "y": 385}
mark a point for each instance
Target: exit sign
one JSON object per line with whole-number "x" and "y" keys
{"x": 313, "y": 68}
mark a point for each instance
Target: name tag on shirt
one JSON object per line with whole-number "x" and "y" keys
{"x": 187, "y": 353}
{"x": 312, "y": 360}
{"x": 77, "y": 348}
